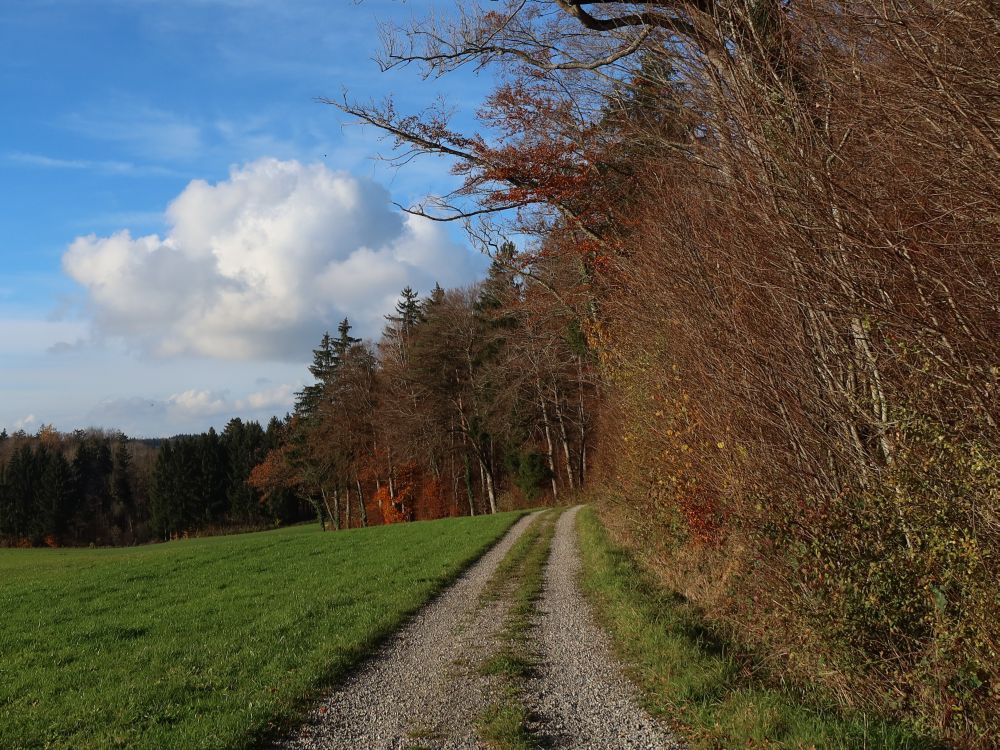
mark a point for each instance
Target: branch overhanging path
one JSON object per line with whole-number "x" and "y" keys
{"x": 423, "y": 688}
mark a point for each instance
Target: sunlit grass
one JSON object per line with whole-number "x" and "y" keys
{"x": 206, "y": 643}
{"x": 695, "y": 680}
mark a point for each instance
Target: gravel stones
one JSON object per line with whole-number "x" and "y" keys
{"x": 422, "y": 688}
{"x": 579, "y": 696}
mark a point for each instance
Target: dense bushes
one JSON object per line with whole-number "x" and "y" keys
{"x": 803, "y": 378}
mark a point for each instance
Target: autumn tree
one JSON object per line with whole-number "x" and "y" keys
{"x": 771, "y": 227}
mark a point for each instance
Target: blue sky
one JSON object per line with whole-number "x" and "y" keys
{"x": 180, "y": 218}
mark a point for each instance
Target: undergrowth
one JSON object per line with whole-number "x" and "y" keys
{"x": 715, "y": 693}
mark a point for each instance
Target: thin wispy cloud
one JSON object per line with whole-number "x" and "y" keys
{"x": 21, "y": 336}
{"x": 140, "y": 128}
{"x": 103, "y": 166}
{"x": 192, "y": 409}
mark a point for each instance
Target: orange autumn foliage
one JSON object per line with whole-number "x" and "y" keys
{"x": 393, "y": 509}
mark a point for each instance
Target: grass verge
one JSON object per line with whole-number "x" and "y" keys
{"x": 519, "y": 579}
{"x": 207, "y": 643}
{"x": 695, "y": 680}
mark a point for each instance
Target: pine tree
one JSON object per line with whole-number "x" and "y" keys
{"x": 21, "y": 480}
{"x": 53, "y": 493}
{"x": 401, "y": 324}
{"x": 123, "y": 500}
{"x": 322, "y": 368}
{"x": 214, "y": 476}
{"x": 501, "y": 286}
{"x": 408, "y": 312}
{"x": 274, "y": 434}
{"x": 436, "y": 298}
{"x": 344, "y": 342}
{"x": 92, "y": 468}
{"x": 244, "y": 444}
{"x": 326, "y": 360}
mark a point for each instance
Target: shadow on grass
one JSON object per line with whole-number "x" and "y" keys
{"x": 716, "y": 693}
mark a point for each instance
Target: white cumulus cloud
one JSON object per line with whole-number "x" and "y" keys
{"x": 25, "y": 422}
{"x": 198, "y": 403}
{"x": 258, "y": 265}
{"x": 279, "y": 397}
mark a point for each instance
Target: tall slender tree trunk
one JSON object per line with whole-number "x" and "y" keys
{"x": 468, "y": 484}
{"x": 490, "y": 488}
{"x": 326, "y": 504}
{"x": 548, "y": 440}
{"x": 362, "y": 510}
{"x": 392, "y": 481}
{"x": 336, "y": 506}
{"x": 562, "y": 437}
{"x": 468, "y": 469}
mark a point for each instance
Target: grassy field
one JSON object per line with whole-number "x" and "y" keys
{"x": 696, "y": 681}
{"x": 206, "y": 643}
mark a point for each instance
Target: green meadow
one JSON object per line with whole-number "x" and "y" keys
{"x": 207, "y": 643}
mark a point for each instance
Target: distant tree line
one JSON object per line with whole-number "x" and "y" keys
{"x": 102, "y": 488}
{"x": 472, "y": 400}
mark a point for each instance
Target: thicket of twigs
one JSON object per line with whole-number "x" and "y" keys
{"x": 786, "y": 217}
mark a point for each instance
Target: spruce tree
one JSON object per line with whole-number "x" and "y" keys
{"x": 322, "y": 367}
{"x": 21, "y": 480}
{"x": 53, "y": 494}
{"x": 408, "y": 312}
{"x": 326, "y": 359}
{"x": 343, "y": 343}
{"x": 402, "y": 323}
{"x": 123, "y": 500}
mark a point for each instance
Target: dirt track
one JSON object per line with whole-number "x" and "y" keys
{"x": 423, "y": 689}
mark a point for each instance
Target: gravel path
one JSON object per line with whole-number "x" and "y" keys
{"x": 579, "y": 695}
{"x": 421, "y": 689}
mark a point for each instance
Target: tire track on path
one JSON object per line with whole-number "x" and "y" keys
{"x": 579, "y": 696}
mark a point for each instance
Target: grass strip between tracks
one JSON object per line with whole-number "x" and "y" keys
{"x": 519, "y": 579}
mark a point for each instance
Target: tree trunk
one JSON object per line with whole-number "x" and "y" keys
{"x": 548, "y": 441}
{"x": 392, "y": 481}
{"x": 490, "y": 490}
{"x": 361, "y": 505}
{"x": 563, "y": 438}
{"x": 468, "y": 484}
{"x": 326, "y": 504}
